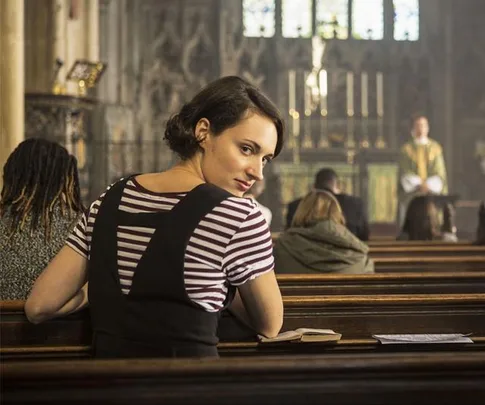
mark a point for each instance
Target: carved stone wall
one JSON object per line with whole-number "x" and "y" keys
{"x": 159, "y": 53}
{"x": 469, "y": 97}
{"x": 256, "y": 60}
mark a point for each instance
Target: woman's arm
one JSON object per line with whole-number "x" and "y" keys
{"x": 259, "y": 305}
{"x": 60, "y": 289}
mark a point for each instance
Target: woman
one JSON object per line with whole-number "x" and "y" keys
{"x": 319, "y": 242}
{"x": 422, "y": 222}
{"x": 39, "y": 205}
{"x": 167, "y": 251}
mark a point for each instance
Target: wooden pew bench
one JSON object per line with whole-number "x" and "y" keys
{"x": 426, "y": 250}
{"x": 358, "y": 379}
{"x": 355, "y": 346}
{"x": 419, "y": 256}
{"x": 406, "y": 263}
{"x": 408, "y": 243}
{"x": 382, "y": 284}
{"x": 355, "y": 316}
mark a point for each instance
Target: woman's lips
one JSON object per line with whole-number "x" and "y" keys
{"x": 242, "y": 185}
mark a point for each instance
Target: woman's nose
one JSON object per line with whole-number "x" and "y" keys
{"x": 256, "y": 171}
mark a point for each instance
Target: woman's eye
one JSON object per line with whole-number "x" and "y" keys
{"x": 246, "y": 149}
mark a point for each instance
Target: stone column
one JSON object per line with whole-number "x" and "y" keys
{"x": 11, "y": 78}
{"x": 92, "y": 30}
{"x": 60, "y": 42}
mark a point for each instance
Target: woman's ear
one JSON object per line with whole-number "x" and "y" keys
{"x": 202, "y": 131}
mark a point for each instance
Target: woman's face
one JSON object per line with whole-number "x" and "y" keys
{"x": 235, "y": 159}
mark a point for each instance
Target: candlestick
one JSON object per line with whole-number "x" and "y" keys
{"x": 291, "y": 91}
{"x": 380, "y": 94}
{"x": 364, "y": 98}
{"x": 364, "y": 94}
{"x": 350, "y": 94}
{"x": 350, "y": 142}
{"x": 323, "y": 86}
{"x": 380, "y": 141}
{"x": 307, "y": 96}
{"x": 296, "y": 124}
{"x": 307, "y": 142}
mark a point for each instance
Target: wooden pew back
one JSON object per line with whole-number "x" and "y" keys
{"x": 308, "y": 303}
{"x": 387, "y": 378}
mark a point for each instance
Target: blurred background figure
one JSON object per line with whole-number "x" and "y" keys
{"x": 481, "y": 225}
{"x": 353, "y": 208}
{"x": 421, "y": 165}
{"x": 39, "y": 205}
{"x": 254, "y": 192}
{"x": 319, "y": 241}
{"x": 422, "y": 221}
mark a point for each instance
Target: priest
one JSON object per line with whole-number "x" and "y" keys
{"x": 421, "y": 166}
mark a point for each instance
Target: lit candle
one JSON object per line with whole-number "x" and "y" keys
{"x": 323, "y": 85}
{"x": 350, "y": 94}
{"x": 364, "y": 94}
{"x": 380, "y": 94}
{"x": 291, "y": 91}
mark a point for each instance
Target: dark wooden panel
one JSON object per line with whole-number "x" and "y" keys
{"x": 386, "y": 378}
{"x": 381, "y": 284}
{"x": 355, "y": 316}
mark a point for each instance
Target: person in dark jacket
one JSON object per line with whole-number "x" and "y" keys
{"x": 352, "y": 207}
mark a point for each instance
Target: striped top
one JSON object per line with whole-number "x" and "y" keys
{"x": 230, "y": 245}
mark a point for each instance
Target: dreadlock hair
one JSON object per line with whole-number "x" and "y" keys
{"x": 38, "y": 175}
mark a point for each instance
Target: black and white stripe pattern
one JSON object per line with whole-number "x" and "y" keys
{"x": 231, "y": 244}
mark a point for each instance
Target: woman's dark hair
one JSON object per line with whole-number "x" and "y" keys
{"x": 421, "y": 222}
{"x": 224, "y": 102}
{"x": 38, "y": 175}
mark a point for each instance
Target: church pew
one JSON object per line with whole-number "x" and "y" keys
{"x": 253, "y": 348}
{"x": 393, "y": 242}
{"x": 358, "y": 379}
{"x": 381, "y": 284}
{"x": 356, "y": 346}
{"x": 355, "y": 316}
{"x": 358, "y": 316}
{"x": 409, "y": 263}
{"x": 426, "y": 256}
{"x": 412, "y": 243}
{"x": 448, "y": 250}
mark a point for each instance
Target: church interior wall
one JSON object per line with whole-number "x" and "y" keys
{"x": 159, "y": 53}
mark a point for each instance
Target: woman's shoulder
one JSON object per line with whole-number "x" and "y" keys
{"x": 240, "y": 207}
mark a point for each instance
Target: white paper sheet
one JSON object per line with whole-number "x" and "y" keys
{"x": 423, "y": 338}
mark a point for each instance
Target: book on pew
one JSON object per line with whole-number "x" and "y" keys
{"x": 423, "y": 338}
{"x": 303, "y": 335}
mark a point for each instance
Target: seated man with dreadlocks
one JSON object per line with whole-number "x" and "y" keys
{"x": 39, "y": 205}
